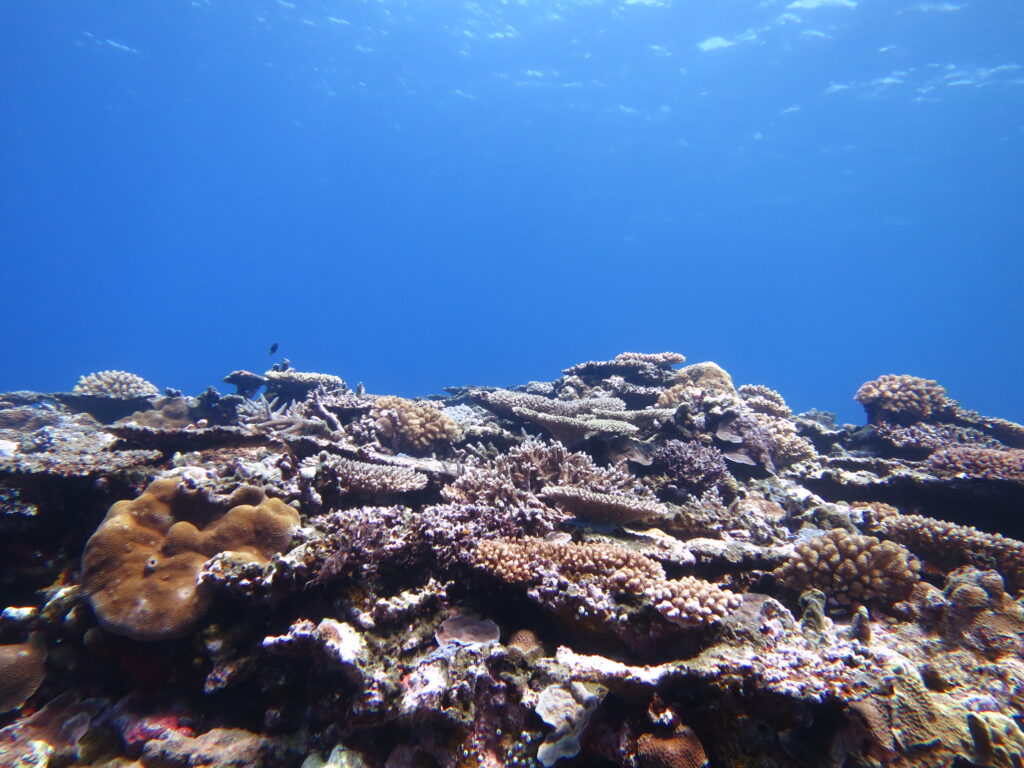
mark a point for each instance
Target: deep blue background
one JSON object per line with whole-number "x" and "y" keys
{"x": 425, "y": 194}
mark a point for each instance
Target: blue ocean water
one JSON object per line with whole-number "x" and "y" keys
{"x": 422, "y": 194}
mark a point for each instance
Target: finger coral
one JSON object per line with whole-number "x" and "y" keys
{"x": 115, "y": 384}
{"x": 852, "y": 569}
{"x": 947, "y": 544}
{"x": 608, "y": 569}
{"x": 902, "y": 399}
{"x": 978, "y": 463}
{"x": 764, "y": 400}
{"x": 413, "y": 426}
{"x": 140, "y": 568}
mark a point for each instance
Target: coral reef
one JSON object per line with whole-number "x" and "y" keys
{"x": 636, "y": 564}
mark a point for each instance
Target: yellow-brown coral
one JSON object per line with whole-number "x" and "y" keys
{"x": 852, "y": 569}
{"x": 902, "y": 399}
{"x": 978, "y": 464}
{"x": 413, "y": 426}
{"x": 947, "y": 544}
{"x": 681, "y": 749}
{"x": 140, "y": 568}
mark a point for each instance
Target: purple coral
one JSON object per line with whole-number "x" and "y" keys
{"x": 689, "y": 467}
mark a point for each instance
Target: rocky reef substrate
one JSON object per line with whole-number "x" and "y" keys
{"x": 637, "y": 564}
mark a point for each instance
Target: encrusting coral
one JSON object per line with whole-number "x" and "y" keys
{"x": 635, "y": 564}
{"x": 140, "y": 568}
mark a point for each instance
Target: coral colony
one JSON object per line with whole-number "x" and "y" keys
{"x": 637, "y": 564}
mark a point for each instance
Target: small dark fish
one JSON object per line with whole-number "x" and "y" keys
{"x": 274, "y": 347}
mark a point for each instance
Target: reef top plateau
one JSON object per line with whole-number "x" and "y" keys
{"x": 636, "y": 564}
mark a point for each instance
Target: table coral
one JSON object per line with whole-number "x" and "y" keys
{"x": 141, "y": 566}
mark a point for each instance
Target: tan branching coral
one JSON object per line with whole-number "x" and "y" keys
{"x": 764, "y": 400}
{"x": 947, "y": 544}
{"x": 414, "y": 426}
{"x": 140, "y": 568}
{"x": 593, "y": 506}
{"x": 852, "y": 569}
{"x": 978, "y": 464}
{"x": 115, "y": 384}
{"x": 609, "y": 569}
{"x": 903, "y": 399}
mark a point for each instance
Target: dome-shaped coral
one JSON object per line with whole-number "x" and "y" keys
{"x": 852, "y": 569}
{"x": 141, "y": 566}
{"x": 115, "y": 384}
{"x": 902, "y": 399}
{"x": 413, "y": 426}
{"x": 22, "y": 669}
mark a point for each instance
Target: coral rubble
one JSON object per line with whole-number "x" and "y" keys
{"x": 637, "y": 564}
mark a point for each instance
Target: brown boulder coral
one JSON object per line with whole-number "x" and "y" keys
{"x": 681, "y": 749}
{"x": 852, "y": 569}
{"x": 902, "y": 399}
{"x": 22, "y": 669}
{"x": 140, "y": 568}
